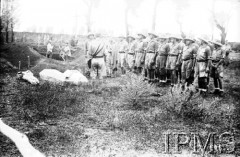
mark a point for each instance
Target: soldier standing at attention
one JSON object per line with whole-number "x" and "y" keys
{"x": 161, "y": 60}
{"x": 88, "y": 58}
{"x": 98, "y": 52}
{"x": 173, "y": 59}
{"x": 179, "y": 65}
{"x": 150, "y": 57}
{"x": 217, "y": 57}
{"x": 131, "y": 53}
{"x": 109, "y": 59}
{"x": 203, "y": 60}
{"x": 139, "y": 53}
{"x": 188, "y": 55}
{"x": 122, "y": 55}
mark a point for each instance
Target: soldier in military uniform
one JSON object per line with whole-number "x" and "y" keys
{"x": 203, "y": 60}
{"x": 173, "y": 58}
{"x": 139, "y": 53}
{"x": 88, "y": 58}
{"x": 98, "y": 53}
{"x": 131, "y": 53}
{"x": 150, "y": 57}
{"x": 179, "y": 65}
{"x": 161, "y": 60}
{"x": 217, "y": 57}
{"x": 122, "y": 55}
{"x": 109, "y": 59}
{"x": 188, "y": 55}
{"x": 49, "y": 49}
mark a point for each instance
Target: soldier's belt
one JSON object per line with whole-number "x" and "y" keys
{"x": 201, "y": 60}
{"x": 163, "y": 55}
{"x": 140, "y": 52}
{"x": 186, "y": 59}
{"x": 98, "y": 56}
{"x": 121, "y": 52}
{"x": 215, "y": 61}
{"x": 172, "y": 55}
{"x": 150, "y": 52}
{"x": 131, "y": 53}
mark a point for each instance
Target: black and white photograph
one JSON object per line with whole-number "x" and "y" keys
{"x": 120, "y": 78}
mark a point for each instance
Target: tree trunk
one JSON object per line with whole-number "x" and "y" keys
{"x": 12, "y": 24}
{"x": 126, "y": 22}
{"x": 154, "y": 15}
{"x": 7, "y": 34}
{"x": 223, "y": 37}
{"x": 89, "y": 28}
{"x": 1, "y": 35}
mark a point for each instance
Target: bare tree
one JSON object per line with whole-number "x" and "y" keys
{"x": 90, "y": 4}
{"x": 221, "y": 19}
{"x": 131, "y": 6}
{"x": 1, "y": 26}
{"x": 181, "y": 5}
{"x": 154, "y": 14}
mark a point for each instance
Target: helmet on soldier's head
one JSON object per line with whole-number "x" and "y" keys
{"x": 153, "y": 33}
{"x": 204, "y": 40}
{"x": 90, "y": 34}
{"x": 189, "y": 39}
{"x": 141, "y": 34}
{"x": 162, "y": 36}
{"x": 175, "y": 37}
{"x": 130, "y": 36}
{"x": 217, "y": 43}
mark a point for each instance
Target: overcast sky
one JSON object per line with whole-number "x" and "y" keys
{"x": 62, "y": 16}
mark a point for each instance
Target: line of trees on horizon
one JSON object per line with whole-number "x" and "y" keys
{"x": 9, "y": 17}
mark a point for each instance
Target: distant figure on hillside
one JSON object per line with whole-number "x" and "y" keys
{"x": 65, "y": 52}
{"x": 49, "y": 49}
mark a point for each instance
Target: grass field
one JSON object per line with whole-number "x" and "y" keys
{"x": 121, "y": 116}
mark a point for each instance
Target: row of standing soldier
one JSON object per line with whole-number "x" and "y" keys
{"x": 162, "y": 59}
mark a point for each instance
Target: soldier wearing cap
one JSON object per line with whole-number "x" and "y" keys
{"x": 122, "y": 54}
{"x": 187, "y": 57}
{"x": 139, "y": 52}
{"x": 98, "y": 52}
{"x": 203, "y": 59}
{"x": 217, "y": 57}
{"x": 131, "y": 52}
{"x": 150, "y": 57}
{"x": 173, "y": 58}
{"x": 163, "y": 50}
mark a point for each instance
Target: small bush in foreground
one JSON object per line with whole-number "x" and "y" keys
{"x": 135, "y": 92}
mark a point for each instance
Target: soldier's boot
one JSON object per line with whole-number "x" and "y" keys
{"x": 168, "y": 76}
{"x": 202, "y": 83}
{"x": 216, "y": 88}
{"x": 220, "y": 86}
{"x": 157, "y": 76}
{"x": 153, "y": 75}
{"x": 145, "y": 74}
